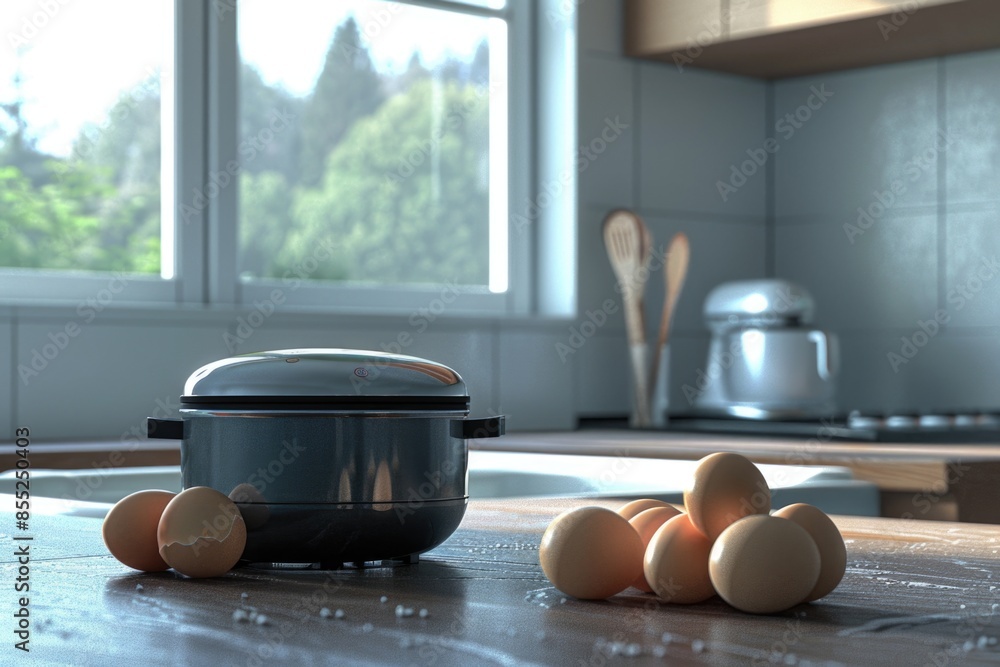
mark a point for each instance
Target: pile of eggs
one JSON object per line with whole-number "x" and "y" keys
{"x": 726, "y": 543}
{"x": 198, "y": 532}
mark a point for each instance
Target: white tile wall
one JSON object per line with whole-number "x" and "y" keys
{"x": 536, "y": 382}
{"x": 600, "y": 26}
{"x": 860, "y": 141}
{"x": 601, "y": 386}
{"x": 972, "y": 100}
{"x": 109, "y": 378}
{"x": 887, "y": 278}
{"x": 950, "y": 371}
{"x": 696, "y": 126}
{"x": 922, "y": 125}
{"x": 606, "y": 107}
{"x": 8, "y": 380}
{"x": 972, "y": 281}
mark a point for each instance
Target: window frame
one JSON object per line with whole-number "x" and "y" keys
{"x": 224, "y": 284}
{"x": 206, "y": 98}
{"x": 48, "y": 286}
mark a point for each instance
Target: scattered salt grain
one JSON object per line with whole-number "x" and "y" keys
{"x": 403, "y": 612}
{"x": 697, "y": 646}
{"x": 244, "y": 595}
{"x": 424, "y": 613}
{"x": 263, "y": 620}
{"x": 339, "y": 614}
{"x": 138, "y": 587}
{"x": 632, "y": 650}
{"x": 325, "y": 613}
{"x": 240, "y": 616}
{"x": 383, "y": 599}
{"x": 367, "y": 627}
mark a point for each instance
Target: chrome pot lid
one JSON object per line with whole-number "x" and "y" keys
{"x": 768, "y": 302}
{"x": 321, "y": 378}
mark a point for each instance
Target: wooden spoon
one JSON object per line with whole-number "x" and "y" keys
{"x": 628, "y": 242}
{"x": 678, "y": 255}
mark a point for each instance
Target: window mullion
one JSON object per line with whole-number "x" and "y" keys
{"x": 222, "y": 182}
{"x": 190, "y": 208}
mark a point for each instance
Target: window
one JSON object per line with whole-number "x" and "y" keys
{"x": 356, "y": 150}
{"x": 82, "y": 132}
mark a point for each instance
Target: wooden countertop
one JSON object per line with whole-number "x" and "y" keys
{"x": 918, "y": 479}
{"x": 915, "y": 593}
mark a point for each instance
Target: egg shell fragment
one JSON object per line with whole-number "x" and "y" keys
{"x": 645, "y": 524}
{"x": 129, "y": 529}
{"x": 201, "y": 533}
{"x": 676, "y": 562}
{"x": 764, "y": 564}
{"x": 631, "y": 509}
{"x": 725, "y": 487}
{"x": 829, "y": 542}
{"x": 591, "y": 553}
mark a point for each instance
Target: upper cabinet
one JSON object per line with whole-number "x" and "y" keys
{"x": 779, "y": 38}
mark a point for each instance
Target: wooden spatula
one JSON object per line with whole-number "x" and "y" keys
{"x": 628, "y": 242}
{"x": 678, "y": 255}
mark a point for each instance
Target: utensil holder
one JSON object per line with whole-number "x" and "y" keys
{"x": 660, "y": 402}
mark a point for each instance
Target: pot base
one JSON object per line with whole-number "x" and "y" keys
{"x": 333, "y": 534}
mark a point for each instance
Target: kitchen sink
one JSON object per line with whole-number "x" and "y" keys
{"x": 91, "y": 492}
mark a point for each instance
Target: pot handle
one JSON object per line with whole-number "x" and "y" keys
{"x": 165, "y": 429}
{"x": 487, "y": 427}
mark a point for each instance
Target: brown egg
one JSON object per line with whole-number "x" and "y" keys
{"x": 201, "y": 533}
{"x": 725, "y": 487}
{"x": 590, "y": 553}
{"x": 629, "y": 510}
{"x": 646, "y": 523}
{"x": 129, "y": 530}
{"x": 764, "y": 564}
{"x": 829, "y": 541}
{"x": 676, "y": 562}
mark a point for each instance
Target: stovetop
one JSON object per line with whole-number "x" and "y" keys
{"x": 942, "y": 427}
{"x": 981, "y": 427}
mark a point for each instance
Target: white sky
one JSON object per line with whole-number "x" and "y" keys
{"x": 76, "y": 61}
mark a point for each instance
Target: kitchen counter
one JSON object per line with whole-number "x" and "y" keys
{"x": 946, "y": 481}
{"x": 915, "y": 593}
{"x": 951, "y": 481}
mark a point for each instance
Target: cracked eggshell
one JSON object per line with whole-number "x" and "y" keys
{"x": 129, "y": 529}
{"x": 645, "y": 524}
{"x": 829, "y": 541}
{"x": 764, "y": 564}
{"x": 676, "y": 562}
{"x": 591, "y": 553}
{"x": 201, "y": 533}
{"x": 725, "y": 488}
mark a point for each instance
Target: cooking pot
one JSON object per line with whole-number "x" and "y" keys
{"x": 332, "y": 455}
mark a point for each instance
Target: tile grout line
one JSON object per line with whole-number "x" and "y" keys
{"x": 942, "y": 194}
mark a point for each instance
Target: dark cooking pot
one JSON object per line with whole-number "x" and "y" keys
{"x": 332, "y": 455}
